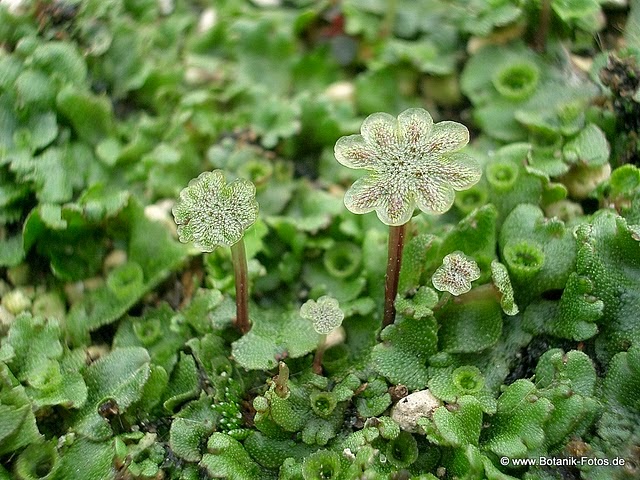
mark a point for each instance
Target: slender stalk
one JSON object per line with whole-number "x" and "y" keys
{"x": 394, "y": 261}
{"x": 282, "y": 380}
{"x": 239, "y": 259}
{"x": 540, "y": 41}
{"x": 317, "y": 358}
{"x": 389, "y": 18}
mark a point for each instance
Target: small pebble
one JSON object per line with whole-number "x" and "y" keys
{"x": 411, "y": 408}
{"x": 16, "y": 301}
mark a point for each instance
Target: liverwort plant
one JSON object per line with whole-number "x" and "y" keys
{"x": 455, "y": 274}
{"x": 410, "y": 162}
{"x": 211, "y": 213}
{"x": 326, "y": 315}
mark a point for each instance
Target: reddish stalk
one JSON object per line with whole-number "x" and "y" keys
{"x": 239, "y": 259}
{"x": 394, "y": 261}
{"x": 540, "y": 41}
{"x": 317, "y": 358}
{"x": 282, "y": 380}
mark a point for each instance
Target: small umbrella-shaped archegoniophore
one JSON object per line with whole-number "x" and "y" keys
{"x": 211, "y": 213}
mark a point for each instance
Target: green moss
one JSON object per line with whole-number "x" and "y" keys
{"x": 37, "y": 462}
{"x": 502, "y": 175}
{"x": 524, "y": 260}
{"x": 403, "y": 450}
{"x": 511, "y": 438}
{"x": 468, "y": 200}
{"x": 471, "y": 325}
{"x": 539, "y": 253}
{"x": 272, "y": 453}
{"x": 336, "y": 359}
{"x": 342, "y": 260}
{"x": 406, "y": 346}
{"x": 450, "y": 384}
{"x": 321, "y": 465}
{"x": 620, "y": 382}
{"x": 323, "y": 403}
{"x": 456, "y": 427}
{"x": 227, "y": 457}
{"x": 190, "y": 429}
{"x": 516, "y": 81}
{"x": 375, "y": 399}
{"x": 468, "y": 379}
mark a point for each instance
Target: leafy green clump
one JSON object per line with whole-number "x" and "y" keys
{"x": 33, "y": 351}
{"x": 405, "y": 347}
{"x": 275, "y": 335}
{"x": 304, "y": 406}
{"x": 226, "y": 457}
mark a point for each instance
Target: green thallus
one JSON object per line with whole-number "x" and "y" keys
{"x": 410, "y": 162}
{"x": 211, "y": 213}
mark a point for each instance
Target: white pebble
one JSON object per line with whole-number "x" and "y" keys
{"x": 411, "y": 408}
{"x": 208, "y": 20}
{"x": 341, "y": 91}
